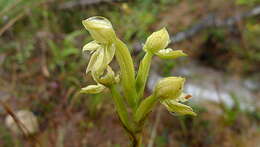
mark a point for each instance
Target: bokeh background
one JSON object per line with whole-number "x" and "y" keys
{"x": 42, "y": 69}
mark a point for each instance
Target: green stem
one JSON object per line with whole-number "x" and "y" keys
{"x": 120, "y": 107}
{"x": 145, "y": 108}
{"x": 137, "y": 140}
{"x": 142, "y": 74}
{"x": 127, "y": 72}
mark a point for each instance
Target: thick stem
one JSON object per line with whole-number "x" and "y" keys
{"x": 142, "y": 74}
{"x": 145, "y": 108}
{"x": 137, "y": 140}
{"x": 127, "y": 72}
{"x": 121, "y": 108}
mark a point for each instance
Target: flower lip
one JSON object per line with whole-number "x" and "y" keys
{"x": 97, "y": 22}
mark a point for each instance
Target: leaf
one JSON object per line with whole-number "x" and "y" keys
{"x": 69, "y": 51}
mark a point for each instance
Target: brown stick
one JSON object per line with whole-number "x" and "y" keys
{"x": 20, "y": 125}
{"x": 10, "y": 23}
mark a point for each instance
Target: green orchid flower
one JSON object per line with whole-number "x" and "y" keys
{"x": 168, "y": 91}
{"x": 101, "y": 56}
{"x": 157, "y": 42}
{"x": 102, "y": 51}
{"x": 175, "y": 107}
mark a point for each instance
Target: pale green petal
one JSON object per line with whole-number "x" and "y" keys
{"x": 99, "y": 65}
{"x": 92, "y": 61}
{"x": 93, "y": 89}
{"x": 170, "y": 54}
{"x": 91, "y": 46}
{"x": 104, "y": 57}
{"x": 100, "y": 59}
{"x": 178, "y": 108}
{"x": 109, "y": 53}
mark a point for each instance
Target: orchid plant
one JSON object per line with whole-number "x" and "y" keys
{"x": 130, "y": 104}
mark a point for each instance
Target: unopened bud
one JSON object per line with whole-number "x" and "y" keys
{"x": 169, "y": 88}
{"x": 157, "y": 41}
{"x": 100, "y": 29}
{"x": 109, "y": 78}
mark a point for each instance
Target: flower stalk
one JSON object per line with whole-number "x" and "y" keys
{"x": 127, "y": 72}
{"x": 131, "y": 107}
{"x": 120, "y": 107}
{"x": 142, "y": 74}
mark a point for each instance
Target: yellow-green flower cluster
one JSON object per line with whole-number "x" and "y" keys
{"x": 106, "y": 46}
{"x": 169, "y": 92}
{"x": 102, "y": 52}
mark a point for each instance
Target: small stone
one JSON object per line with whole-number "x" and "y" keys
{"x": 29, "y": 122}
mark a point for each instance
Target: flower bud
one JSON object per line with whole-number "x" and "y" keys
{"x": 93, "y": 89}
{"x": 109, "y": 78}
{"x": 100, "y": 29}
{"x": 28, "y": 122}
{"x": 157, "y": 41}
{"x": 169, "y": 88}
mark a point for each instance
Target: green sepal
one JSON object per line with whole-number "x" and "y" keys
{"x": 91, "y": 46}
{"x": 170, "y": 54}
{"x": 174, "y": 107}
{"x": 93, "y": 89}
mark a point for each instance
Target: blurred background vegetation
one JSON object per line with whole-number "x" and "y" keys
{"x": 42, "y": 70}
